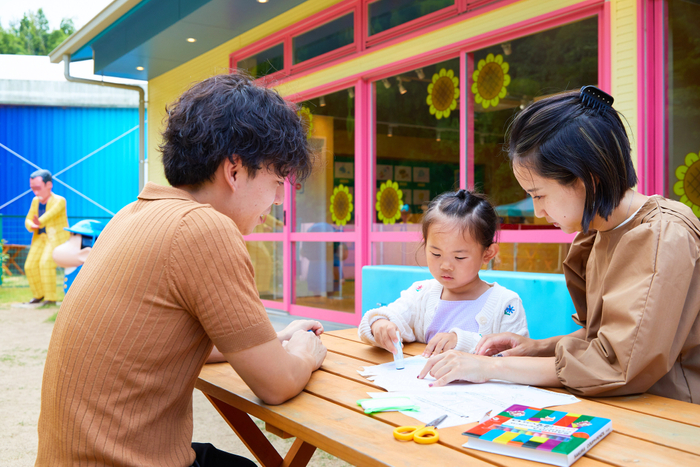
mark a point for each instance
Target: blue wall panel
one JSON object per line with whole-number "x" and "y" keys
{"x": 54, "y": 138}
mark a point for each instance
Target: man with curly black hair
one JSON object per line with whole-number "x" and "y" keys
{"x": 169, "y": 278}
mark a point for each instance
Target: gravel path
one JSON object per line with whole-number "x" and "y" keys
{"x": 24, "y": 340}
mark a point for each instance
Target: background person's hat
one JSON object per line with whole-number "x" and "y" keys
{"x": 87, "y": 227}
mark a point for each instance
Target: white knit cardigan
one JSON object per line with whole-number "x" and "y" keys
{"x": 415, "y": 310}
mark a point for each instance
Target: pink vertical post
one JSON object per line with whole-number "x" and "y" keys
{"x": 463, "y": 122}
{"x": 287, "y": 56}
{"x": 661, "y": 156}
{"x": 469, "y": 112}
{"x": 604, "y": 49}
{"x": 645, "y": 101}
{"x": 363, "y": 191}
{"x": 287, "y": 264}
{"x": 651, "y": 95}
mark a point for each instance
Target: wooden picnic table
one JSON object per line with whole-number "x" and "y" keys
{"x": 12, "y": 251}
{"x": 648, "y": 430}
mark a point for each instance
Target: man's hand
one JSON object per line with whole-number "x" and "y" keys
{"x": 384, "y": 332}
{"x": 36, "y": 225}
{"x": 441, "y": 342}
{"x": 507, "y": 344}
{"x": 305, "y": 345}
{"x": 300, "y": 325}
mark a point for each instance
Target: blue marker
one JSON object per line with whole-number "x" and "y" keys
{"x": 398, "y": 356}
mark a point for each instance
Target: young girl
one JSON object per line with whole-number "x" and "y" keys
{"x": 453, "y": 310}
{"x": 632, "y": 271}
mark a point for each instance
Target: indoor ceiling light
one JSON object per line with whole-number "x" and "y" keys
{"x": 402, "y": 89}
{"x": 438, "y": 136}
{"x": 507, "y": 49}
{"x": 386, "y": 83}
{"x": 351, "y": 91}
{"x": 191, "y": 39}
{"x": 140, "y": 68}
{"x": 322, "y": 101}
{"x": 420, "y": 73}
{"x": 262, "y": 1}
{"x": 390, "y": 133}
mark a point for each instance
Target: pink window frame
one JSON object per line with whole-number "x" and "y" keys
{"x": 365, "y": 190}
{"x": 409, "y": 26}
{"x": 286, "y": 36}
{"x": 435, "y": 20}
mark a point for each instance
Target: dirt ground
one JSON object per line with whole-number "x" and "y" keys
{"x": 24, "y": 341}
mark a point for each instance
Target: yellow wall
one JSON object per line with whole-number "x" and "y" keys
{"x": 167, "y": 87}
{"x": 623, "y": 24}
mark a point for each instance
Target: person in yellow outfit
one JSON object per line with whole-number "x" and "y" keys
{"x": 46, "y": 219}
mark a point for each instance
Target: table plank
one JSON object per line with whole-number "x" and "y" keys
{"x": 658, "y": 406}
{"x": 351, "y": 436}
{"x": 634, "y": 423}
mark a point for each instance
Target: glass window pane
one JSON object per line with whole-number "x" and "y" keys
{"x": 417, "y": 143}
{"x": 274, "y": 222}
{"x": 264, "y": 63}
{"x": 386, "y": 14}
{"x": 399, "y": 253}
{"x": 325, "y": 275}
{"x": 333, "y": 35}
{"x": 267, "y": 264}
{"x": 325, "y": 202}
{"x": 506, "y": 78}
{"x": 531, "y": 257}
{"x": 683, "y": 102}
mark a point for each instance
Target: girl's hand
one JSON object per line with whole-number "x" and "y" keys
{"x": 454, "y": 365}
{"x": 441, "y": 342}
{"x": 507, "y": 344}
{"x": 384, "y": 332}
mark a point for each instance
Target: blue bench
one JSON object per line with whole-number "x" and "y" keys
{"x": 546, "y": 299}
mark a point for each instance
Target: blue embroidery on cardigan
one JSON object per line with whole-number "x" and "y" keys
{"x": 509, "y": 311}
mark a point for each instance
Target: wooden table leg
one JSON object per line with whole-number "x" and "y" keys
{"x": 298, "y": 456}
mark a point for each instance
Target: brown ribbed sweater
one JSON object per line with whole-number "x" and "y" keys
{"x": 166, "y": 278}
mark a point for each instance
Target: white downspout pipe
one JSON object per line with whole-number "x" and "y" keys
{"x": 142, "y": 110}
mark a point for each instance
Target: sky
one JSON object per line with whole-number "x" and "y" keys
{"x": 80, "y": 11}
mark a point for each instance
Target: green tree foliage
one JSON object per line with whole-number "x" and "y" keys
{"x": 31, "y": 35}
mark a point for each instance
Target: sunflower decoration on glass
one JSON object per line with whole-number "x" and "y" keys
{"x": 341, "y": 205}
{"x": 389, "y": 202}
{"x": 490, "y": 81}
{"x": 688, "y": 184}
{"x": 308, "y": 118}
{"x": 443, "y": 93}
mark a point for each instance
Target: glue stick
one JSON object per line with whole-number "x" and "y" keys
{"x": 398, "y": 356}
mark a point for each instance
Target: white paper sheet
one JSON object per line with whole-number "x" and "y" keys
{"x": 463, "y": 402}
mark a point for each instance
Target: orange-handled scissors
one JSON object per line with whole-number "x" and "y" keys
{"x": 420, "y": 434}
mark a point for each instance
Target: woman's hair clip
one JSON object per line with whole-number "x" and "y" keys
{"x": 595, "y": 99}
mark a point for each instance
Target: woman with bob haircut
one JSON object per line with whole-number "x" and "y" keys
{"x": 632, "y": 271}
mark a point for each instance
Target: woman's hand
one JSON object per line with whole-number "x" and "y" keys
{"x": 384, "y": 332}
{"x": 507, "y": 344}
{"x": 441, "y": 342}
{"x": 454, "y": 365}
{"x": 300, "y": 325}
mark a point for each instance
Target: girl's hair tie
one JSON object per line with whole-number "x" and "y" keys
{"x": 595, "y": 99}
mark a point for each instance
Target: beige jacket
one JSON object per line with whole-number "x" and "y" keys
{"x": 636, "y": 290}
